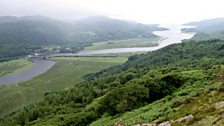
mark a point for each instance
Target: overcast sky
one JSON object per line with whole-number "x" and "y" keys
{"x": 144, "y": 11}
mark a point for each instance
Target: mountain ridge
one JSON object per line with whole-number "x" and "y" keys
{"x": 207, "y": 29}
{"x": 40, "y": 31}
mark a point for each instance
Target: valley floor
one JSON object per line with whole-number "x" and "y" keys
{"x": 13, "y": 66}
{"x": 68, "y": 71}
{"x": 180, "y": 80}
{"x": 137, "y": 42}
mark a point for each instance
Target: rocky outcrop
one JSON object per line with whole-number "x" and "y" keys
{"x": 167, "y": 123}
{"x": 120, "y": 124}
{"x": 145, "y": 125}
{"x": 185, "y": 119}
{"x": 219, "y": 105}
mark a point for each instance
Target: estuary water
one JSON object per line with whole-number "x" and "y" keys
{"x": 171, "y": 36}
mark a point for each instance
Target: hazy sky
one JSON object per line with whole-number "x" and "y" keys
{"x": 145, "y": 11}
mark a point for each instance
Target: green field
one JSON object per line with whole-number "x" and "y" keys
{"x": 137, "y": 42}
{"x": 67, "y": 72}
{"x": 124, "y": 55}
{"x": 14, "y": 66}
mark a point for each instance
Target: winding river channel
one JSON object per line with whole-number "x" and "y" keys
{"x": 171, "y": 36}
{"x": 40, "y": 66}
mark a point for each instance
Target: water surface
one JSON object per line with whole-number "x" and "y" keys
{"x": 174, "y": 35}
{"x": 40, "y": 66}
{"x": 171, "y": 36}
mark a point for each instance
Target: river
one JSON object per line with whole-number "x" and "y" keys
{"x": 174, "y": 35}
{"x": 171, "y": 36}
{"x": 40, "y": 66}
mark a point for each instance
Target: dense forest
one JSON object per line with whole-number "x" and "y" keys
{"x": 20, "y": 36}
{"x": 153, "y": 78}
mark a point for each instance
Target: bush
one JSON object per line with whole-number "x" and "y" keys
{"x": 81, "y": 119}
{"x": 162, "y": 86}
{"x": 124, "y": 99}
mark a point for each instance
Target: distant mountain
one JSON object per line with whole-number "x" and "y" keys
{"x": 21, "y": 35}
{"x": 207, "y": 22}
{"x": 8, "y": 19}
{"x": 207, "y": 29}
{"x": 111, "y": 29}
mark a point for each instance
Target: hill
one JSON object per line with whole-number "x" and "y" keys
{"x": 208, "y": 22}
{"x": 20, "y": 36}
{"x": 167, "y": 84}
{"x": 207, "y": 29}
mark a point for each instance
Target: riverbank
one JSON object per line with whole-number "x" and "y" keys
{"x": 40, "y": 66}
{"x": 67, "y": 72}
{"x": 171, "y": 36}
{"x": 127, "y": 43}
{"x": 13, "y": 66}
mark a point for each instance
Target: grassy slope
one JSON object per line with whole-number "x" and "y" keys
{"x": 196, "y": 97}
{"x": 67, "y": 72}
{"x": 14, "y": 66}
{"x": 138, "y": 42}
{"x": 200, "y": 92}
{"x": 202, "y": 72}
{"x": 189, "y": 99}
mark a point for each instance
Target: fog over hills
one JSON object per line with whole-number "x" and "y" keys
{"x": 144, "y": 11}
{"x": 207, "y": 29}
{"x": 22, "y": 35}
{"x": 111, "y": 63}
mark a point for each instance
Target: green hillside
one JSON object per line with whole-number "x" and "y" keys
{"x": 65, "y": 73}
{"x": 167, "y": 84}
{"x": 207, "y": 29}
{"x": 20, "y": 36}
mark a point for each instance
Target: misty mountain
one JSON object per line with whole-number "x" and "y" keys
{"x": 104, "y": 28}
{"x": 20, "y": 36}
{"x": 207, "y": 29}
{"x": 8, "y": 19}
{"x": 208, "y": 22}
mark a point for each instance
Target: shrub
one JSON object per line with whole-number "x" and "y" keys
{"x": 123, "y": 99}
